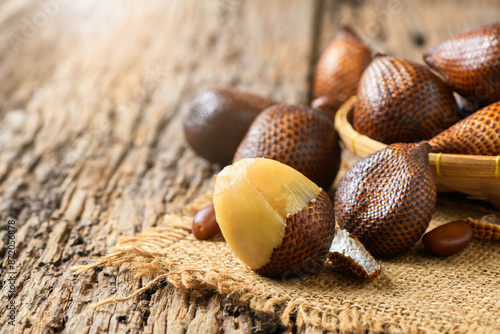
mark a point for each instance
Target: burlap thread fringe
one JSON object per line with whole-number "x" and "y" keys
{"x": 415, "y": 292}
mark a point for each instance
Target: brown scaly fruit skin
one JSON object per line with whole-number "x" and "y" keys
{"x": 349, "y": 264}
{"x": 339, "y": 70}
{"x": 387, "y": 199}
{"x": 400, "y": 101}
{"x": 470, "y": 63}
{"x": 477, "y": 134}
{"x": 298, "y": 136}
{"x": 219, "y": 119}
{"x": 488, "y": 227}
{"x": 308, "y": 235}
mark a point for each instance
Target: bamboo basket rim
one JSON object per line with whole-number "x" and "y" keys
{"x": 443, "y": 165}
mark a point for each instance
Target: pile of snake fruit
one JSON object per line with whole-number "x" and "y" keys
{"x": 270, "y": 200}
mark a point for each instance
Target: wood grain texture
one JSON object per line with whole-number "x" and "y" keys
{"x": 405, "y": 28}
{"x": 92, "y": 94}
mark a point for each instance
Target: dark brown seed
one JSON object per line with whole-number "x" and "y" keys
{"x": 219, "y": 119}
{"x": 387, "y": 199}
{"x": 298, "y": 136}
{"x": 478, "y": 134}
{"x": 470, "y": 63}
{"x": 400, "y": 101}
{"x": 339, "y": 69}
{"x": 448, "y": 239}
{"x": 204, "y": 223}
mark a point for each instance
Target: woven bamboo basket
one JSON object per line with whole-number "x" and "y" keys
{"x": 474, "y": 175}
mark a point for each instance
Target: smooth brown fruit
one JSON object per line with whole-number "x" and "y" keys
{"x": 349, "y": 253}
{"x": 205, "y": 225}
{"x": 276, "y": 220}
{"x": 339, "y": 70}
{"x": 448, "y": 239}
{"x": 488, "y": 227}
{"x": 470, "y": 63}
{"x": 400, "y": 101}
{"x": 299, "y": 136}
{"x": 477, "y": 134}
{"x": 324, "y": 105}
{"x": 387, "y": 199}
{"x": 218, "y": 120}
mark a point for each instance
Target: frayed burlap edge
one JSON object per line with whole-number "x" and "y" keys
{"x": 154, "y": 254}
{"x": 141, "y": 252}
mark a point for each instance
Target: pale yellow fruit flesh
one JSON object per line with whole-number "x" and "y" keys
{"x": 252, "y": 199}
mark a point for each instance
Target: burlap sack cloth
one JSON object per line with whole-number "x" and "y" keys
{"x": 416, "y": 292}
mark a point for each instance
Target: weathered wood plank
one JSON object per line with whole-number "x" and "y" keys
{"x": 92, "y": 94}
{"x": 405, "y": 28}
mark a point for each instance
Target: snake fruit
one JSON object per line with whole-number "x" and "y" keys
{"x": 387, "y": 199}
{"x": 470, "y": 63}
{"x": 277, "y": 221}
{"x": 400, "y": 101}
{"x": 339, "y": 70}
{"x": 477, "y": 134}
{"x": 298, "y": 136}
{"x": 218, "y": 120}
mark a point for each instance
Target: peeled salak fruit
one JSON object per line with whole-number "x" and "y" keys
{"x": 470, "y": 63}
{"x": 299, "y": 136}
{"x": 276, "y": 220}
{"x": 339, "y": 70}
{"x": 387, "y": 199}
{"x": 400, "y": 101}
{"x": 477, "y": 134}
{"x": 218, "y": 119}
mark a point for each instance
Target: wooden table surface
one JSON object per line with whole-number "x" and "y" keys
{"x": 92, "y": 96}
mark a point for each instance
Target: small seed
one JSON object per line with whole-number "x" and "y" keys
{"x": 205, "y": 225}
{"x": 448, "y": 239}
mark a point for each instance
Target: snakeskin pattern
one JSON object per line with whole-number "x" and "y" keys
{"x": 488, "y": 227}
{"x": 298, "y": 136}
{"x": 339, "y": 70}
{"x": 218, "y": 120}
{"x": 400, "y": 101}
{"x": 387, "y": 199}
{"x": 470, "y": 63}
{"x": 308, "y": 235}
{"x": 346, "y": 261}
{"x": 477, "y": 134}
